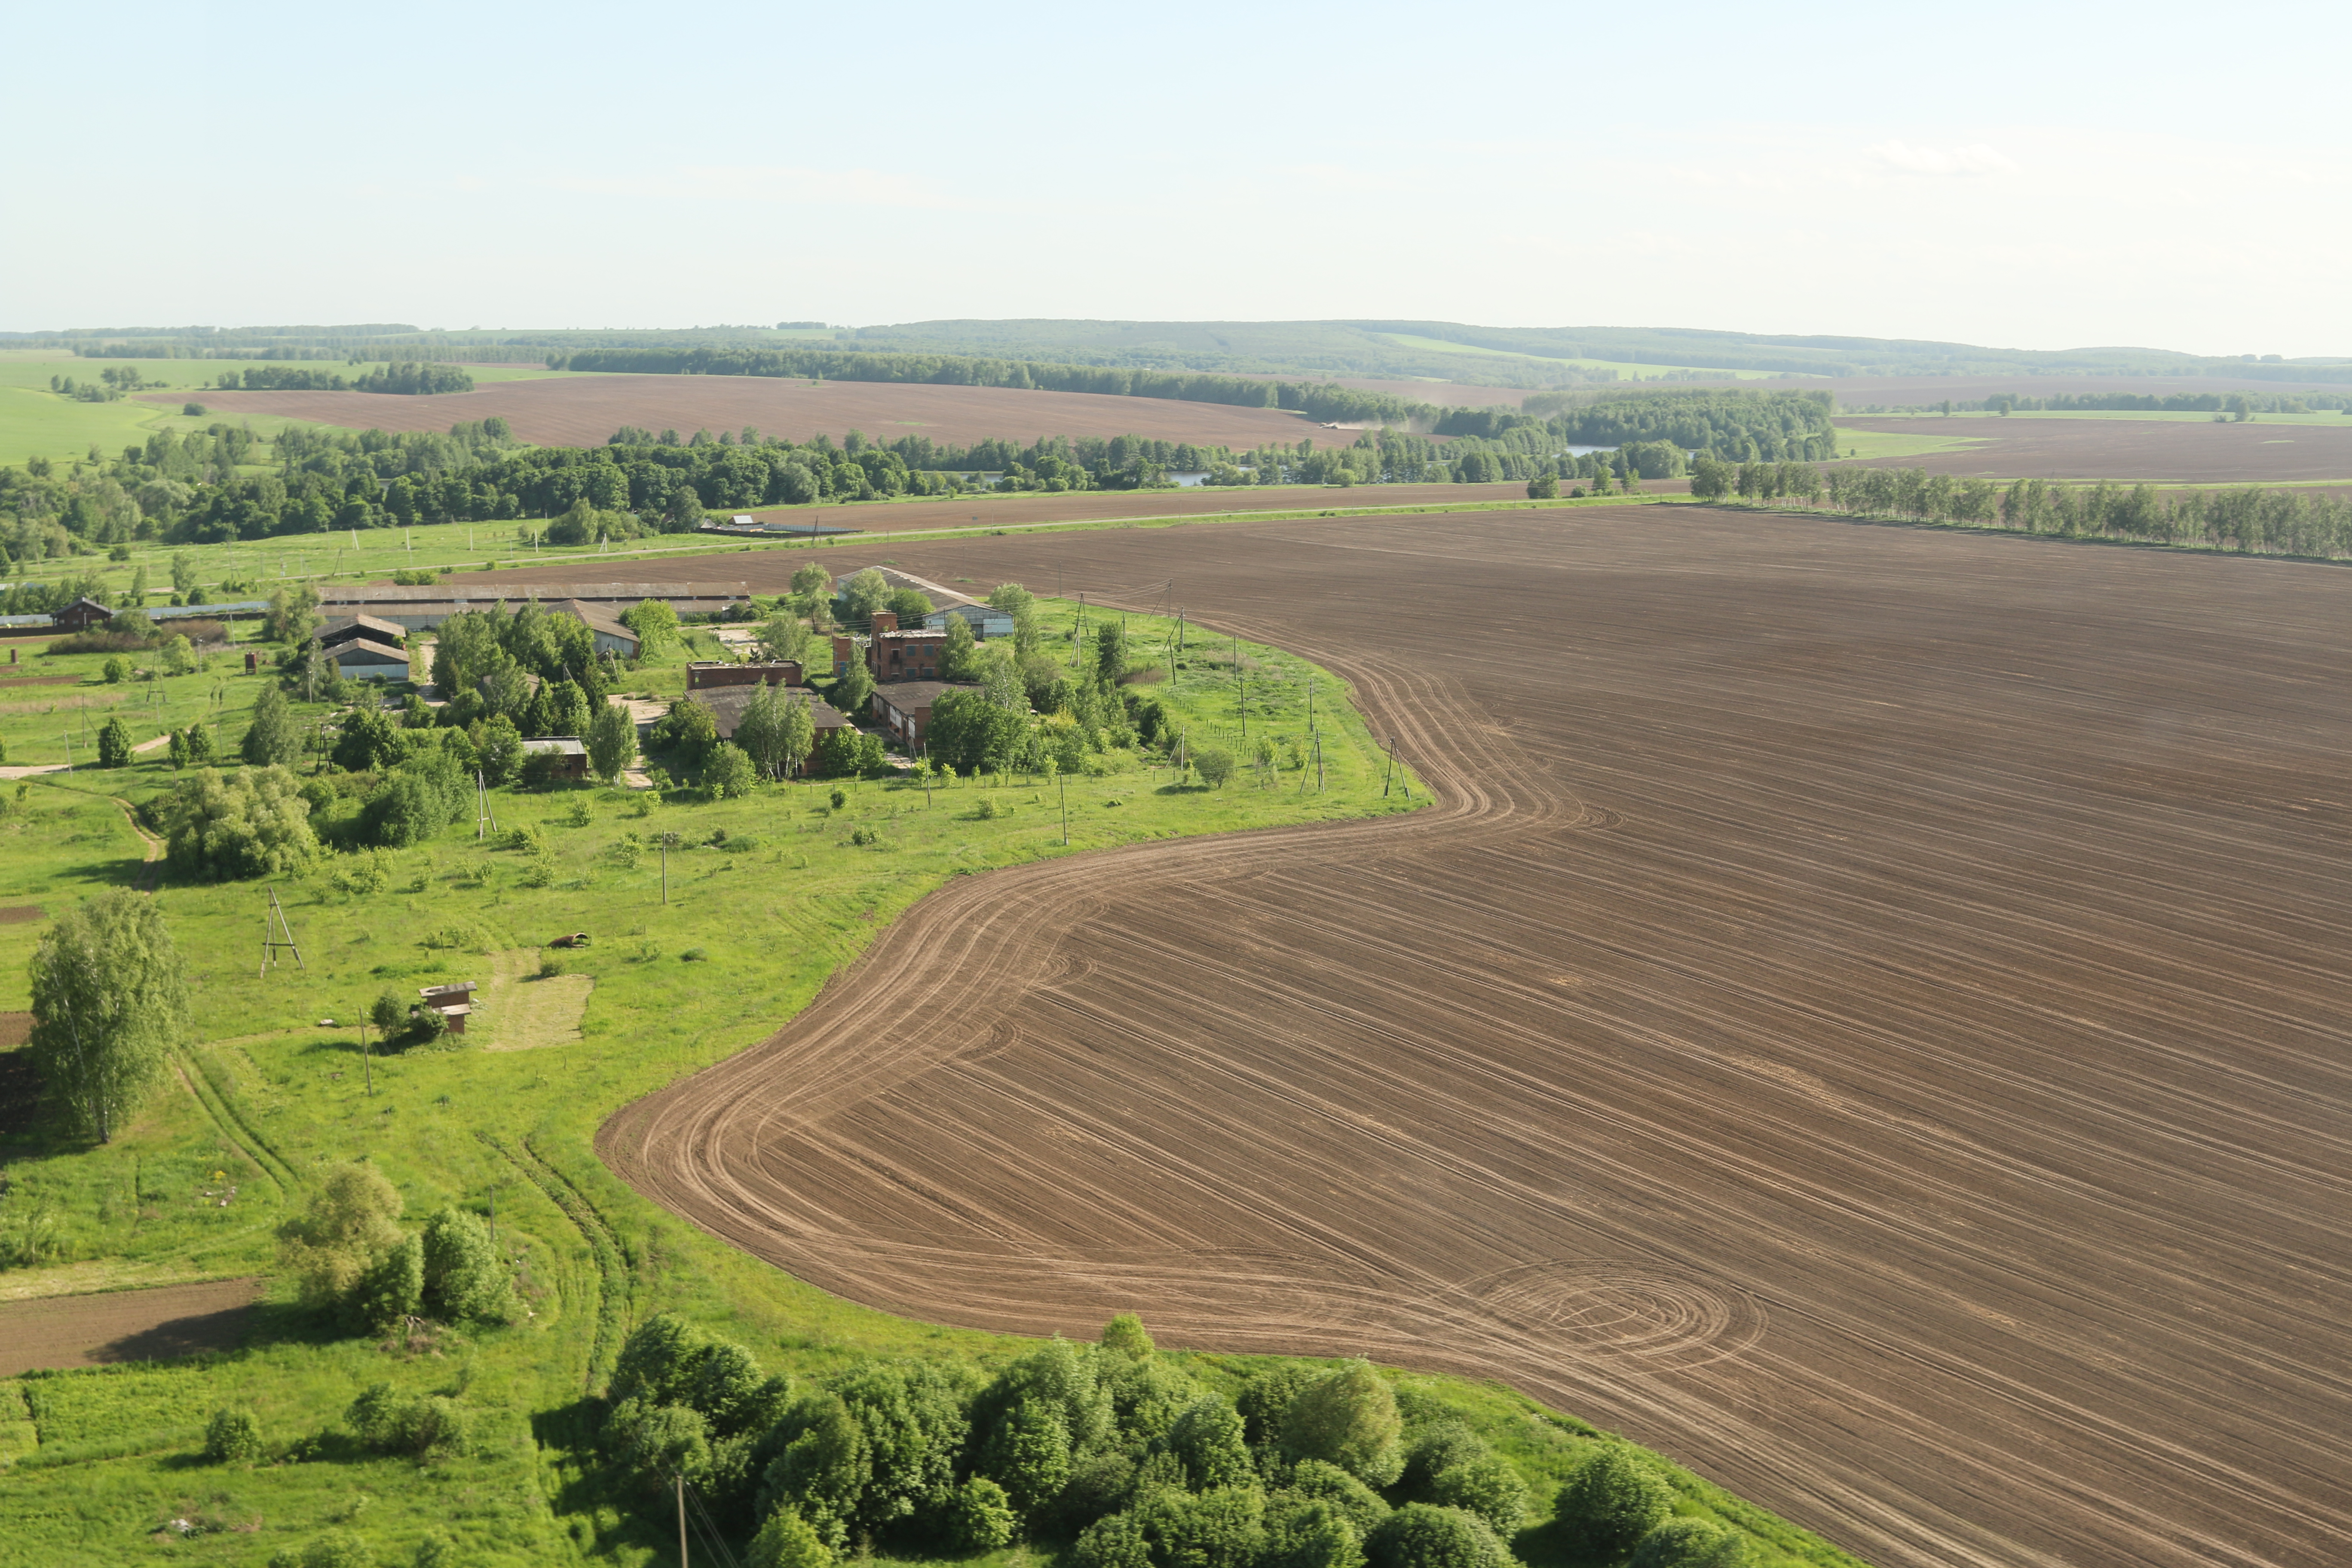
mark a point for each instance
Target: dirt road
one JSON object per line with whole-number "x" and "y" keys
{"x": 1865, "y": 1017}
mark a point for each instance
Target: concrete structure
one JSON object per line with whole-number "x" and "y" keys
{"x": 454, "y": 1002}
{"x": 904, "y": 708}
{"x": 570, "y": 756}
{"x": 703, "y": 674}
{"x": 359, "y": 658}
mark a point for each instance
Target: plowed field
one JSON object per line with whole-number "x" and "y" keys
{"x": 1866, "y": 1015}
{"x": 2162, "y": 451}
{"x": 584, "y": 411}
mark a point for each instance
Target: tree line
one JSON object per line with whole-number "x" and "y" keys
{"x": 406, "y": 376}
{"x": 1321, "y": 400}
{"x": 2252, "y": 521}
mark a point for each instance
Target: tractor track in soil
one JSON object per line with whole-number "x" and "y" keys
{"x": 1860, "y": 1016}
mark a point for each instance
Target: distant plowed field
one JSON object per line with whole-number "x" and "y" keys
{"x": 1025, "y": 507}
{"x": 1866, "y": 1014}
{"x": 584, "y": 411}
{"x": 2158, "y": 450}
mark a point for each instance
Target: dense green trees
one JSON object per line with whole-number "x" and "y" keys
{"x": 351, "y": 1257}
{"x": 414, "y": 376}
{"x": 272, "y": 738}
{"x": 110, "y": 1003}
{"x": 254, "y": 823}
{"x": 611, "y": 741}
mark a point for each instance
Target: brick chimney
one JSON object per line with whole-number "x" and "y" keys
{"x": 885, "y": 621}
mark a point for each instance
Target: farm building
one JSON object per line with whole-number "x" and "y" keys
{"x": 421, "y": 609}
{"x": 703, "y": 674}
{"x": 987, "y": 620}
{"x": 844, "y": 653}
{"x": 570, "y": 756}
{"x": 728, "y": 703}
{"x": 358, "y": 628}
{"x": 82, "y": 614}
{"x": 361, "y": 658}
{"x": 904, "y": 708}
{"x": 895, "y": 655}
{"x": 611, "y": 636}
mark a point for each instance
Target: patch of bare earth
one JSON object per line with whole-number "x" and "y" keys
{"x": 125, "y": 1325}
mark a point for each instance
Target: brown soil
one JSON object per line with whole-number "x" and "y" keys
{"x": 1860, "y": 1017}
{"x": 124, "y": 1325}
{"x": 1927, "y": 391}
{"x": 2161, "y": 451}
{"x": 11, "y": 682}
{"x": 584, "y": 411}
{"x": 18, "y": 914}
{"x": 1006, "y": 511}
{"x": 15, "y": 1028}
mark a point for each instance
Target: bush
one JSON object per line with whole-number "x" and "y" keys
{"x": 232, "y": 1436}
{"x": 391, "y": 1288}
{"x": 839, "y": 798}
{"x": 416, "y": 801}
{"x": 980, "y": 1517}
{"x": 1348, "y": 1418}
{"x": 1437, "y": 1447}
{"x": 1691, "y": 1544}
{"x": 1612, "y": 1502}
{"x": 408, "y": 1424}
{"x": 1543, "y": 487}
{"x": 194, "y": 410}
{"x": 1207, "y": 1436}
{"x": 463, "y": 1280}
{"x": 864, "y": 836}
{"x": 1359, "y": 1504}
{"x": 728, "y": 775}
{"x": 179, "y": 657}
{"x": 114, "y": 743}
{"x": 1219, "y": 1529}
{"x": 1420, "y": 1536}
{"x": 256, "y": 823}
{"x": 337, "y": 1240}
{"x": 1117, "y": 1541}
{"x": 1489, "y": 1488}
{"x": 1301, "y": 1533}
{"x": 786, "y": 1541}
{"x": 654, "y": 1442}
{"x": 1215, "y": 765}
{"x": 336, "y": 1549}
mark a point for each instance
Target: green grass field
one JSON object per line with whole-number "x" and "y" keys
{"x": 38, "y": 423}
{"x": 1624, "y": 370}
{"x": 768, "y": 898}
{"x": 2330, "y": 417}
{"x": 1881, "y": 444}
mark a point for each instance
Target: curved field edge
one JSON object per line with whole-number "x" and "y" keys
{"x": 103, "y": 1455}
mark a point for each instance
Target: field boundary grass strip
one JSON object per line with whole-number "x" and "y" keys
{"x": 233, "y": 1126}
{"x": 614, "y": 1281}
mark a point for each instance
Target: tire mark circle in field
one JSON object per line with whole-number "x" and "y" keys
{"x": 1640, "y": 1310}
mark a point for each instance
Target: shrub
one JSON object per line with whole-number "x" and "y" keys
{"x": 1436, "y": 1448}
{"x": 864, "y": 836}
{"x": 693, "y": 955}
{"x": 336, "y": 1549}
{"x": 1420, "y": 1536}
{"x": 980, "y": 1517}
{"x": 1612, "y": 1502}
{"x": 1348, "y": 1418}
{"x": 256, "y": 823}
{"x": 1543, "y": 487}
{"x": 408, "y": 1424}
{"x": 1029, "y": 1454}
{"x": 1207, "y": 1436}
{"x": 1302, "y": 1532}
{"x": 232, "y": 1436}
{"x": 1117, "y": 1541}
{"x": 1126, "y": 1335}
{"x": 1489, "y": 1488}
{"x": 654, "y": 1442}
{"x": 838, "y": 798}
{"x": 786, "y": 1541}
{"x": 423, "y": 796}
{"x": 1219, "y": 1529}
{"x": 116, "y": 670}
{"x": 114, "y": 743}
{"x": 728, "y": 775}
{"x": 463, "y": 1280}
{"x": 348, "y": 1226}
{"x": 392, "y": 1286}
{"x": 194, "y": 410}
{"x": 550, "y": 968}
{"x": 1691, "y": 1544}
{"x": 1359, "y": 1504}
{"x": 1215, "y": 765}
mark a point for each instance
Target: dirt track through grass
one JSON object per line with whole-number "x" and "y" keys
{"x": 1864, "y": 1018}
{"x": 124, "y": 1325}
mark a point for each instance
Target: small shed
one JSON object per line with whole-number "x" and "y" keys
{"x": 82, "y": 614}
{"x": 570, "y": 755}
{"x": 452, "y": 1001}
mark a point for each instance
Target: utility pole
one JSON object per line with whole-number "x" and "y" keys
{"x": 665, "y": 855}
{"x": 1064, "y": 780}
{"x": 367, "y": 1062}
{"x": 682, "y": 1519}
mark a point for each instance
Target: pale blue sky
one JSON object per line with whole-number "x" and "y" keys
{"x": 2035, "y": 175}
